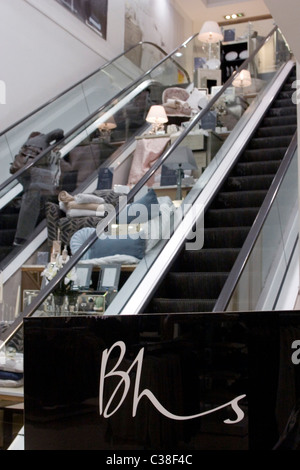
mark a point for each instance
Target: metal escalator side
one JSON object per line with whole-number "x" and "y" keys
{"x": 150, "y": 269}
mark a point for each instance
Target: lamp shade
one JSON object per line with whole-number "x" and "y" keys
{"x": 210, "y": 32}
{"x": 242, "y": 79}
{"x": 108, "y": 125}
{"x": 157, "y": 115}
{"x": 182, "y": 158}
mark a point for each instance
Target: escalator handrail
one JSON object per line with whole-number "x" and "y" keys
{"x": 247, "y": 248}
{"x": 39, "y": 299}
{"x": 45, "y": 152}
{"x": 79, "y": 82}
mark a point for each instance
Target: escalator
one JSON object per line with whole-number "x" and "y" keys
{"x": 234, "y": 183}
{"x": 196, "y": 279}
{"x": 212, "y": 155}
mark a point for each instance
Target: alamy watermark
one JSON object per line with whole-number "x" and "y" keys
{"x": 296, "y": 354}
{"x": 155, "y": 223}
{"x": 296, "y": 94}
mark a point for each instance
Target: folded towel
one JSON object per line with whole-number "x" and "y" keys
{"x": 84, "y": 213}
{"x": 64, "y": 196}
{"x": 86, "y": 207}
{"x": 88, "y": 199}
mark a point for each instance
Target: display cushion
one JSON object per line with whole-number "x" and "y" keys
{"x": 108, "y": 246}
{"x": 135, "y": 212}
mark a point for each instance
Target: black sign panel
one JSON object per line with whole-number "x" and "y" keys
{"x": 160, "y": 382}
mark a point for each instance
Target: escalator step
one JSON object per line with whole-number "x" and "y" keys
{"x": 7, "y": 237}
{"x": 256, "y": 155}
{"x": 8, "y": 221}
{"x": 188, "y": 285}
{"x": 226, "y": 237}
{"x": 282, "y": 103}
{"x": 276, "y": 131}
{"x": 235, "y": 217}
{"x": 208, "y": 260}
{"x": 248, "y": 183}
{"x": 239, "y": 199}
{"x": 279, "y": 121}
{"x": 269, "y": 142}
{"x": 287, "y": 94}
{"x": 161, "y": 305}
{"x": 288, "y": 111}
{"x": 257, "y": 168}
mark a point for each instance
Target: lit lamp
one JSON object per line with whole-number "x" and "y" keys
{"x": 181, "y": 159}
{"x": 242, "y": 79}
{"x": 106, "y": 127}
{"x": 157, "y": 117}
{"x": 210, "y": 33}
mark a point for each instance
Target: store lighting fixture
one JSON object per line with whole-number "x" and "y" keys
{"x": 210, "y": 32}
{"x": 157, "y": 117}
{"x": 242, "y": 79}
{"x": 234, "y": 16}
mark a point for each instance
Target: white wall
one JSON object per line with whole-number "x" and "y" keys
{"x": 45, "y": 49}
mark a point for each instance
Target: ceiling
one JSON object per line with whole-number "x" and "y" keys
{"x": 217, "y": 3}
{"x": 203, "y": 10}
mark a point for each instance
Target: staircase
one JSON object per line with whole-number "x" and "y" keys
{"x": 196, "y": 278}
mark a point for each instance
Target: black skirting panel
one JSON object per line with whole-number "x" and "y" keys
{"x": 163, "y": 382}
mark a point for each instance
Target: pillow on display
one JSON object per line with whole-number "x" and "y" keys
{"x": 105, "y": 246}
{"x": 134, "y": 210}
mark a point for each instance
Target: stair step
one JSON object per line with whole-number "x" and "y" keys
{"x": 256, "y": 155}
{"x": 288, "y": 111}
{"x": 161, "y": 305}
{"x": 276, "y": 131}
{"x": 282, "y": 103}
{"x": 226, "y": 237}
{"x": 248, "y": 183}
{"x": 279, "y": 120}
{"x": 235, "y": 217}
{"x": 194, "y": 285}
{"x": 243, "y": 199}
{"x": 218, "y": 259}
{"x": 257, "y": 168}
{"x": 269, "y": 142}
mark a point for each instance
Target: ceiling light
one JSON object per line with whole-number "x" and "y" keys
{"x": 234, "y": 16}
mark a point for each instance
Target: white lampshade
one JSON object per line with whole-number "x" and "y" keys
{"x": 108, "y": 125}
{"x": 157, "y": 115}
{"x": 242, "y": 79}
{"x": 210, "y": 32}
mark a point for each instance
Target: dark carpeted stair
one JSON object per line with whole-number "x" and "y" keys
{"x": 196, "y": 278}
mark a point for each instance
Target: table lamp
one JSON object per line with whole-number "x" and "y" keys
{"x": 181, "y": 159}
{"x": 210, "y": 33}
{"x": 106, "y": 127}
{"x": 242, "y": 79}
{"x": 157, "y": 117}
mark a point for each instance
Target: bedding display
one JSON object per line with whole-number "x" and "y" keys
{"x": 57, "y": 219}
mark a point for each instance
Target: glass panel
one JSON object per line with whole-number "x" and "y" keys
{"x": 274, "y": 240}
{"x": 75, "y": 105}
